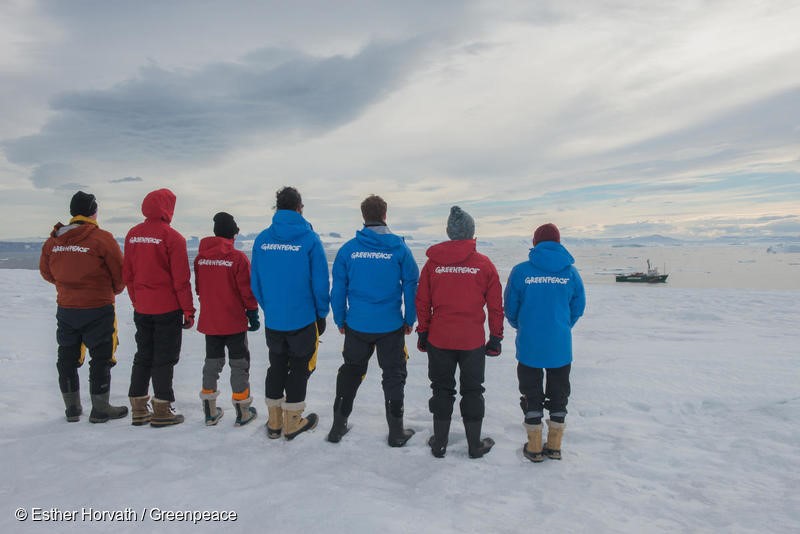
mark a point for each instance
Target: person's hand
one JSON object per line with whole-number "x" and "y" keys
{"x": 321, "y": 325}
{"x": 188, "y": 320}
{"x": 422, "y": 341}
{"x": 252, "y": 320}
{"x": 407, "y": 329}
{"x": 493, "y": 347}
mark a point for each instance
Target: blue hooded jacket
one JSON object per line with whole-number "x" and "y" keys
{"x": 544, "y": 298}
{"x": 289, "y": 273}
{"x": 373, "y": 275}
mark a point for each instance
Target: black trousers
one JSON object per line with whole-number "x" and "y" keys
{"x": 158, "y": 348}
{"x": 442, "y": 365}
{"x": 239, "y": 356}
{"x": 77, "y": 330}
{"x": 536, "y": 398}
{"x": 358, "y": 349}
{"x": 292, "y": 359}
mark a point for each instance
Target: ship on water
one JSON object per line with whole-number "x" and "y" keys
{"x": 652, "y": 276}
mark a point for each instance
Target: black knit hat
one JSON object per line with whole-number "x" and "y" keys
{"x": 83, "y": 204}
{"x": 460, "y": 224}
{"x": 225, "y": 226}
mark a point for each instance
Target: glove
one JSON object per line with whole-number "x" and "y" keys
{"x": 493, "y": 347}
{"x": 188, "y": 320}
{"x": 252, "y": 319}
{"x": 322, "y": 323}
{"x": 422, "y": 341}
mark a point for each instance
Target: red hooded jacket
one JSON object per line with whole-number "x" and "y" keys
{"x": 156, "y": 266}
{"x": 222, "y": 281}
{"x": 454, "y": 286}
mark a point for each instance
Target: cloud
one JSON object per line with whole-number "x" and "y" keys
{"x": 126, "y": 179}
{"x": 191, "y": 117}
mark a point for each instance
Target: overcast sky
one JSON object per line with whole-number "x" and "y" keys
{"x": 606, "y": 117}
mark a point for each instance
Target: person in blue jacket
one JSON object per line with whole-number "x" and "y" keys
{"x": 374, "y": 284}
{"x": 544, "y": 298}
{"x": 289, "y": 277}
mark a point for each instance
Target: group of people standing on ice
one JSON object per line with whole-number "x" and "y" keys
{"x": 377, "y": 294}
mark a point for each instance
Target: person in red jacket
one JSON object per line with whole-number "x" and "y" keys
{"x": 85, "y": 264}
{"x": 156, "y": 273}
{"x": 455, "y": 285}
{"x": 227, "y": 308}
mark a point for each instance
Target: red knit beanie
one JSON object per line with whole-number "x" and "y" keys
{"x": 546, "y": 232}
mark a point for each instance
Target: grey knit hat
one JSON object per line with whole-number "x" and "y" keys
{"x": 460, "y": 224}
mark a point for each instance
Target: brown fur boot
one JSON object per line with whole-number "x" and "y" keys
{"x": 164, "y": 414}
{"x": 244, "y": 412}
{"x": 555, "y": 431}
{"x": 293, "y": 421}
{"x": 533, "y": 449}
{"x": 212, "y": 412}
{"x": 140, "y": 411}
{"x": 275, "y": 422}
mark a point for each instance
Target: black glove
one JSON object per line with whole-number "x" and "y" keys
{"x": 252, "y": 319}
{"x": 493, "y": 347}
{"x": 422, "y": 341}
{"x": 322, "y": 323}
{"x": 188, "y": 320}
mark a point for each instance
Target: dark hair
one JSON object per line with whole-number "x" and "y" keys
{"x": 288, "y": 198}
{"x": 373, "y": 209}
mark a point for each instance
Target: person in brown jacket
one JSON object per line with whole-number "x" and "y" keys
{"x": 85, "y": 264}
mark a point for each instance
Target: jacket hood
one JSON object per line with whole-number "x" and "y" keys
{"x": 450, "y": 252}
{"x": 212, "y": 246}
{"x": 379, "y": 240}
{"x": 550, "y": 256}
{"x": 76, "y": 231}
{"x": 159, "y": 205}
{"x": 288, "y": 225}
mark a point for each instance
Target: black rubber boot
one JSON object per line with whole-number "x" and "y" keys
{"x": 477, "y": 446}
{"x": 398, "y": 436}
{"x": 72, "y": 402}
{"x": 438, "y": 441}
{"x": 102, "y": 411}
{"x": 339, "y": 427}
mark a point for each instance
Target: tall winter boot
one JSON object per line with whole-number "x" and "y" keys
{"x": 275, "y": 422}
{"x": 477, "y": 446}
{"x": 244, "y": 412}
{"x": 102, "y": 411}
{"x": 438, "y": 441}
{"x": 212, "y": 412}
{"x": 339, "y": 427}
{"x": 140, "y": 410}
{"x": 398, "y": 436}
{"x": 533, "y": 449}
{"x": 72, "y": 402}
{"x": 555, "y": 431}
{"x": 164, "y": 414}
{"x": 293, "y": 421}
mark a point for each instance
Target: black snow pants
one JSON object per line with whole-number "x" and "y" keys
{"x": 442, "y": 365}
{"x": 536, "y": 398}
{"x": 158, "y": 348}
{"x": 358, "y": 349}
{"x": 80, "y": 329}
{"x": 292, "y": 359}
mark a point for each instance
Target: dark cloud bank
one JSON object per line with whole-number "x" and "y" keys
{"x": 194, "y": 116}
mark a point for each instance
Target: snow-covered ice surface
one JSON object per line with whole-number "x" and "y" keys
{"x": 684, "y": 417}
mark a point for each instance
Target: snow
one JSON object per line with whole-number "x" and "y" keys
{"x": 684, "y": 417}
